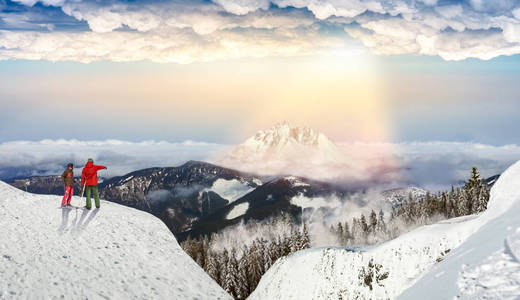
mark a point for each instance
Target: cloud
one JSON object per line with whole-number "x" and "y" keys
{"x": 49, "y": 157}
{"x": 436, "y": 164}
{"x": 186, "y": 31}
{"x": 431, "y": 165}
{"x": 177, "y": 45}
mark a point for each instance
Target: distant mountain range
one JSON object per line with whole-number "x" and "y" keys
{"x": 198, "y": 198}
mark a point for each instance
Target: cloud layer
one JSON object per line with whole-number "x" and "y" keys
{"x": 431, "y": 164}
{"x": 185, "y": 31}
{"x": 49, "y": 157}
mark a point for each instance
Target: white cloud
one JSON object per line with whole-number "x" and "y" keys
{"x": 51, "y": 156}
{"x": 177, "y": 45}
{"x": 516, "y": 13}
{"x": 428, "y": 164}
{"x": 242, "y": 7}
{"x": 186, "y": 31}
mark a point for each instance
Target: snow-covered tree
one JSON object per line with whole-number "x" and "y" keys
{"x": 381, "y": 225}
{"x": 347, "y": 234}
{"x": 372, "y": 222}
{"x": 340, "y": 233}
{"x": 306, "y": 238}
{"x": 483, "y": 197}
{"x": 462, "y": 203}
{"x": 410, "y": 208}
{"x": 231, "y": 280}
{"x": 213, "y": 267}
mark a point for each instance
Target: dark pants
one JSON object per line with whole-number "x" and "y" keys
{"x": 93, "y": 188}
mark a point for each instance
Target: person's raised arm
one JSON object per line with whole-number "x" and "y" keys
{"x": 100, "y": 167}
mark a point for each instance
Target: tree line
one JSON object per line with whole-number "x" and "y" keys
{"x": 415, "y": 211}
{"x": 239, "y": 269}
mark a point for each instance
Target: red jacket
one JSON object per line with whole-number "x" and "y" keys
{"x": 90, "y": 173}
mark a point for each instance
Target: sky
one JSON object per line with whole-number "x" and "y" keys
{"x": 215, "y": 72}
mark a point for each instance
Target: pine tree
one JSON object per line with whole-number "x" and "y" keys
{"x": 347, "y": 234}
{"x": 306, "y": 238}
{"x": 294, "y": 241}
{"x": 462, "y": 202}
{"x": 213, "y": 267}
{"x": 364, "y": 228}
{"x": 268, "y": 255}
{"x": 253, "y": 273}
{"x": 242, "y": 288}
{"x": 231, "y": 284}
{"x": 483, "y": 197}
{"x": 223, "y": 262}
{"x": 474, "y": 180}
{"x": 261, "y": 248}
{"x": 373, "y": 222}
{"x": 332, "y": 229}
{"x": 356, "y": 231}
{"x": 189, "y": 247}
{"x": 429, "y": 205}
{"x": 199, "y": 259}
{"x": 286, "y": 246}
{"x": 455, "y": 201}
{"x": 472, "y": 189}
{"x": 410, "y": 209}
{"x": 276, "y": 252}
{"x": 381, "y": 222}
{"x": 340, "y": 233}
{"x": 444, "y": 205}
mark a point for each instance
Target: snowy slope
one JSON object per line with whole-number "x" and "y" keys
{"x": 486, "y": 265}
{"x": 334, "y": 273}
{"x": 115, "y": 252}
{"x": 230, "y": 190}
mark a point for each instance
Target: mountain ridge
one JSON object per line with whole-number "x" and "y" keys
{"x": 114, "y": 252}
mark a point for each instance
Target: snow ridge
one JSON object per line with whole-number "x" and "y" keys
{"x": 334, "y": 272}
{"x": 115, "y": 252}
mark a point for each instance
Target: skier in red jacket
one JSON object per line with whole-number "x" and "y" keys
{"x": 90, "y": 181}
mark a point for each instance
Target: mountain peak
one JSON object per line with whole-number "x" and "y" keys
{"x": 283, "y": 134}
{"x": 285, "y": 149}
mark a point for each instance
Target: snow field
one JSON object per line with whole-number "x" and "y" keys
{"x": 115, "y": 252}
{"x": 333, "y": 273}
{"x": 229, "y": 189}
{"x": 238, "y": 210}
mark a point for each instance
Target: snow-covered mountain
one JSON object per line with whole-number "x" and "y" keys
{"x": 181, "y": 195}
{"x": 284, "y": 140}
{"x": 471, "y": 257}
{"x": 487, "y": 264}
{"x": 199, "y": 198}
{"x": 288, "y": 150}
{"x": 285, "y": 194}
{"x": 115, "y": 252}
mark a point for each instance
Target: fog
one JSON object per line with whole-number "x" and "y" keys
{"x": 432, "y": 165}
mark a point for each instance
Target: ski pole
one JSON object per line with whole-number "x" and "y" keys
{"x": 83, "y": 189}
